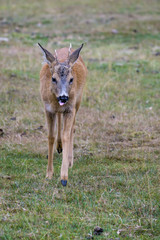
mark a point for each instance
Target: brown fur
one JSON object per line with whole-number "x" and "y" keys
{"x": 68, "y": 110}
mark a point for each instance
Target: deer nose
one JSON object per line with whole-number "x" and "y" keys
{"x": 63, "y": 98}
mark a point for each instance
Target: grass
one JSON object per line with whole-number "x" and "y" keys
{"x": 114, "y": 183}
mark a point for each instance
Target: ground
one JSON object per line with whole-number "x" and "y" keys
{"x": 114, "y": 182}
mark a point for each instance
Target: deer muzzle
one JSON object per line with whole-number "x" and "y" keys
{"x": 62, "y": 99}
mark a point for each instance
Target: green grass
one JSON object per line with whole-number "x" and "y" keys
{"x": 109, "y": 196}
{"x": 114, "y": 182}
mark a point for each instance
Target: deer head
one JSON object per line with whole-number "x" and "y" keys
{"x": 62, "y": 78}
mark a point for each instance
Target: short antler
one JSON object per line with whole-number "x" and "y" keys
{"x": 56, "y": 58}
{"x": 69, "y": 50}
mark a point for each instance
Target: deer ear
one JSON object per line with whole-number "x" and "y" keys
{"x": 48, "y": 57}
{"x": 74, "y": 56}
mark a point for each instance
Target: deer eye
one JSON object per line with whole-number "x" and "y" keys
{"x": 71, "y": 81}
{"x": 54, "y": 80}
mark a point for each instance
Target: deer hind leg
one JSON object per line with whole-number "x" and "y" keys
{"x": 68, "y": 123}
{"x": 59, "y": 141}
{"x": 51, "y": 122}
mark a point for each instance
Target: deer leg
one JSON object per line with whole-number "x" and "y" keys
{"x": 51, "y": 122}
{"x": 59, "y": 141}
{"x": 70, "y": 157}
{"x": 68, "y": 123}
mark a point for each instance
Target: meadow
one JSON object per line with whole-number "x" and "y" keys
{"x": 114, "y": 183}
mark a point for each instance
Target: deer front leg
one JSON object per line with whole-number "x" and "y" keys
{"x": 70, "y": 157}
{"x": 72, "y": 136}
{"x": 68, "y": 123}
{"x": 51, "y": 122}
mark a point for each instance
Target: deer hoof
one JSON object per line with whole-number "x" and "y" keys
{"x": 70, "y": 164}
{"x": 59, "y": 150}
{"x": 59, "y": 147}
{"x": 64, "y": 183}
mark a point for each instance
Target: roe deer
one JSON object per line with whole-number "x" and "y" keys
{"x": 62, "y": 79}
